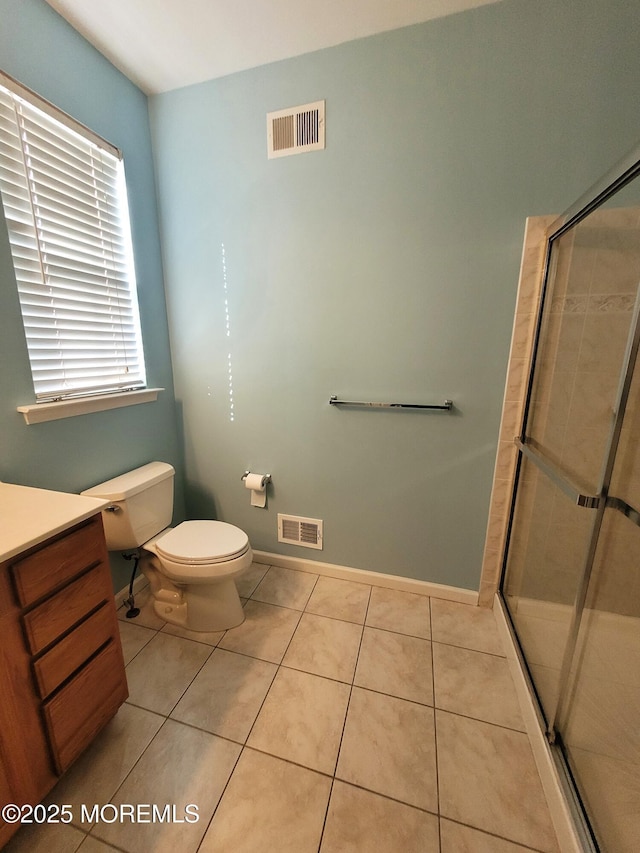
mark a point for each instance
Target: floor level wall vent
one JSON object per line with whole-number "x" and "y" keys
{"x": 296, "y": 530}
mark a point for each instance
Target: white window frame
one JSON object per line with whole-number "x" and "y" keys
{"x": 64, "y": 197}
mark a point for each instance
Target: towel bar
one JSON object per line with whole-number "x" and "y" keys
{"x": 447, "y": 406}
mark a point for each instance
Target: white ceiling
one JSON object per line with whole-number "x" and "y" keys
{"x": 165, "y": 44}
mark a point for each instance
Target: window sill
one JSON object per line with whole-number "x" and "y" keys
{"x": 39, "y": 412}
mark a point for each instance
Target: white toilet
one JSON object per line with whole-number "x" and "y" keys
{"x": 191, "y": 568}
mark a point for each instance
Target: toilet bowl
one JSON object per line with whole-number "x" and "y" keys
{"x": 191, "y": 568}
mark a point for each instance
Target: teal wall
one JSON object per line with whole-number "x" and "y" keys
{"x": 38, "y": 48}
{"x": 382, "y": 268}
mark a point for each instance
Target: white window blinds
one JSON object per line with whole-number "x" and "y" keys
{"x": 65, "y": 204}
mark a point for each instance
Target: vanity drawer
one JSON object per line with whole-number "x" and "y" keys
{"x": 57, "y": 562}
{"x": 69, "y": 654}
{"x": 57, "y": 614}
{"x": 76, "y": 714}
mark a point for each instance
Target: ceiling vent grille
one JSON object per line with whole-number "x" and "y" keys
{"x": 295, "y": 130}
{"x": 300, "y": 531}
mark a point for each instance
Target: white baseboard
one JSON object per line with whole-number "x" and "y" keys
{"x": 139, "y": 584}
{"x": 563, "y": 822}
{"x": 435, "y": 590}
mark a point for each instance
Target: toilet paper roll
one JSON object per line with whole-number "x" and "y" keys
{"x": 258, "y": 486}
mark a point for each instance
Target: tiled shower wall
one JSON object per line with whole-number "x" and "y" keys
{"x": 612, "y": 274}
{"x": 586, "y": 329}
{"x": 596, "y": 279}
{"x": 531, "y": 269}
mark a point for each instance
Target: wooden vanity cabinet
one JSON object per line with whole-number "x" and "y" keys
{"x": 62, "y": 673}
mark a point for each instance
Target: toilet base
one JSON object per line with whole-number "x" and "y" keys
{"x": 203, "y": 607}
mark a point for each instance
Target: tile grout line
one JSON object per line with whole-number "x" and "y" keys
{"x": 275, "y": 675}
{"x": 217, "y": 806}
{"x": 469, "y": 649}
{"x": 344, "y": 723}
{"x": 334, "y": 681}
{"x": 242, "y": 745}
{"x": 131, "y": 769}
{"x": 326, "y": 814}
{"x": 493, "y": 835}
{"x": 200, "y": 668}
{"x": 435, "y": 730}
{"x": 108, "y": 846}
{"x": 479, "y": 720}
{"x": 179, "y": 722}
{"x": 111, "y": 797}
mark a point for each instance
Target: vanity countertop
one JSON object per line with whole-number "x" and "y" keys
{"x": 28, "y": 516}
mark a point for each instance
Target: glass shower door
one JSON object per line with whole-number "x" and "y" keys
{"x": 571, "y": 580}
{"x": 599, "y": 720}
{"x": 584, "y": 328}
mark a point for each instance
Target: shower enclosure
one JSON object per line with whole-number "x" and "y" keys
{"x": 571, "y": 572}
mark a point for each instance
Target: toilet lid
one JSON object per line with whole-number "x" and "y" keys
{"x": 203, "y": 542}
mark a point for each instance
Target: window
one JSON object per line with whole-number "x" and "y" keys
{"x": 64, "y": 198}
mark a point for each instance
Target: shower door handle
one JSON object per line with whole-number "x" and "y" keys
{"x": 626, "y": 509}
{"x": 578, "y": 497}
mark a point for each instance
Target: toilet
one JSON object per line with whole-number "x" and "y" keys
{"x": 191, "y": 568}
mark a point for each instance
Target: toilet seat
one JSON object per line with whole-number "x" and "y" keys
{"x": 198, "y": 543}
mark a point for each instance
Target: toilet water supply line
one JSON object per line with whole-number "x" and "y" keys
{"x": 133, "y": 611}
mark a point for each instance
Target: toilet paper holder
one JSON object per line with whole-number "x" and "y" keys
{"x": 266, "y": 478}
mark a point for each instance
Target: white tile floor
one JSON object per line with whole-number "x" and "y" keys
{"x": 338, "y": 718}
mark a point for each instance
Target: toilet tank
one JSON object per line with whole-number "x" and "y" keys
{"x": 140, "y": 505}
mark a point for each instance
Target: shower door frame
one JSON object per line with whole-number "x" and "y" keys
{"x": 614, "y": 180}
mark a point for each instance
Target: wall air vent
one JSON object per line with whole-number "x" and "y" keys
{"x": 295, "y": 130}
{"x": 300, "y": 531}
